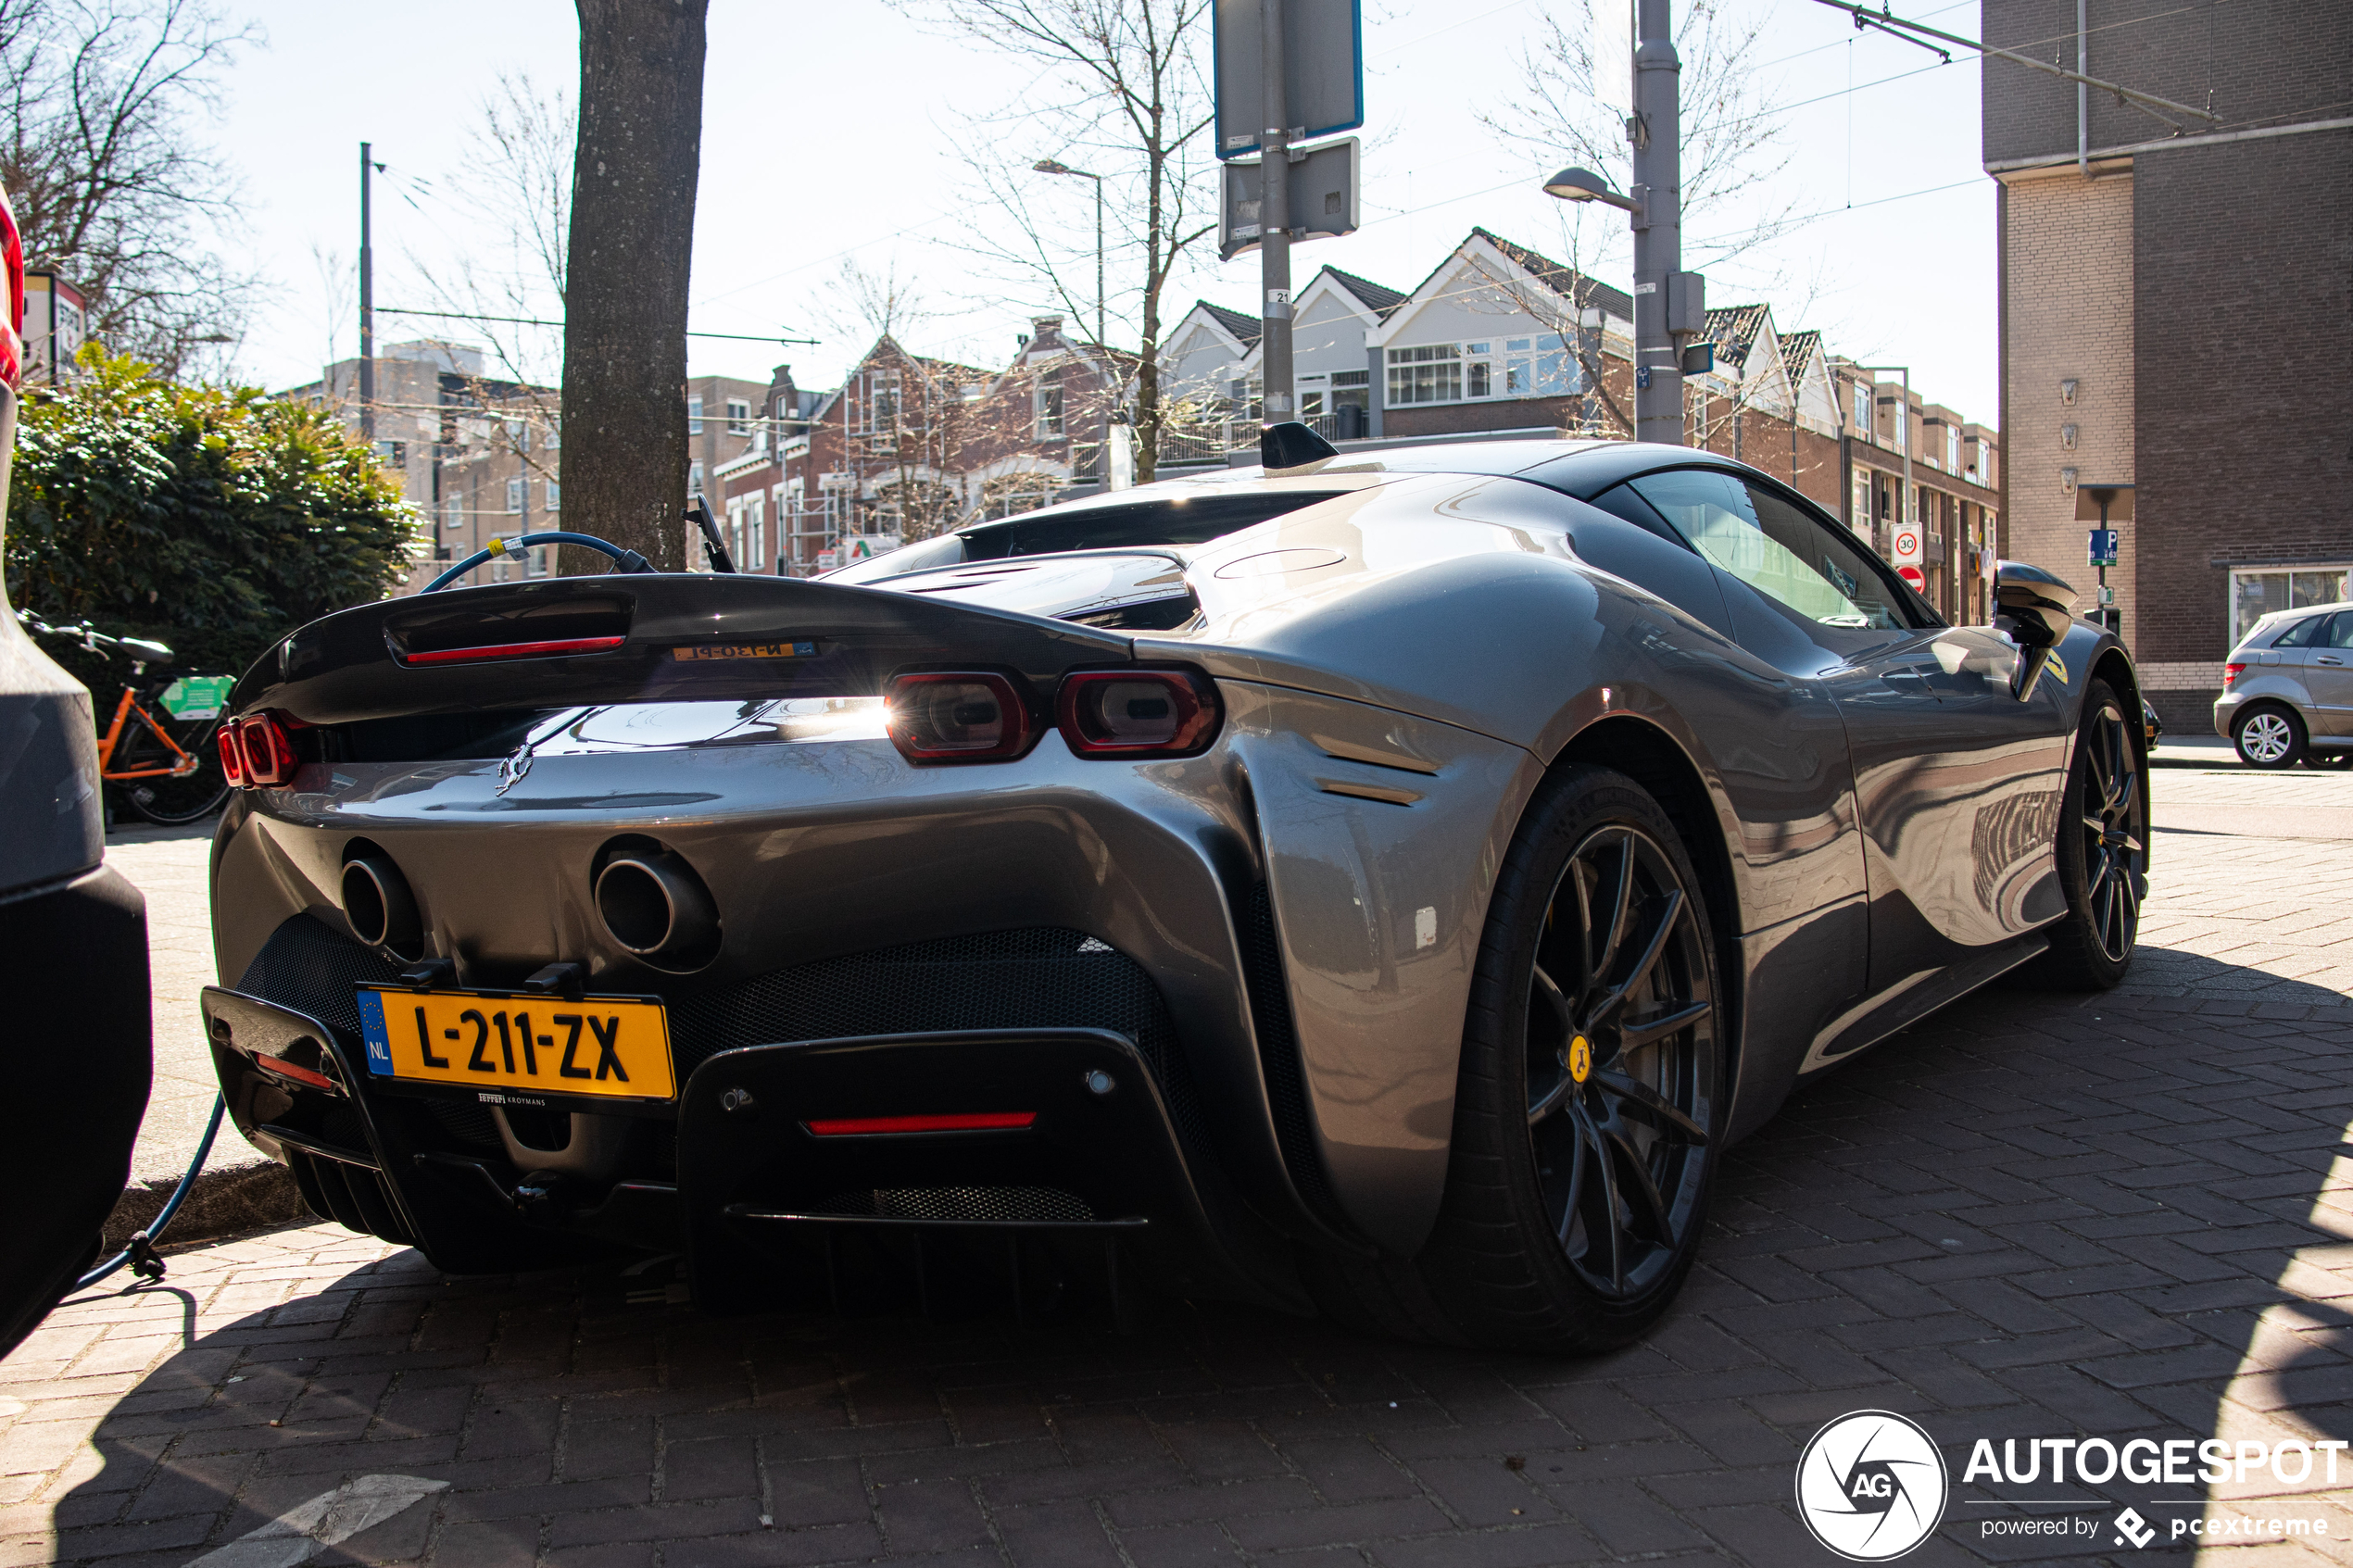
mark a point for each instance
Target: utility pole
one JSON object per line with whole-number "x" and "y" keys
{"x": 1655, "y": 131}
{"x": 1274, "y": 219}
{"x": 367, "y": 311}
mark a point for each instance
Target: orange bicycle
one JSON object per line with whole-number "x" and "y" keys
{"x": 164, "y": 766}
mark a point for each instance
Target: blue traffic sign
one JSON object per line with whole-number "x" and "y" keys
{"x": 2101, "y": 548}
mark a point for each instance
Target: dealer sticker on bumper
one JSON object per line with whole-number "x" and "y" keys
{"x": 614, "y": 1046}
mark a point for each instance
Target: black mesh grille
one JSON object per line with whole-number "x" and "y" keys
{"x": 1040, "y": 977}
{"x": 470, "y": 1124}
{"x": 307, "y": 967}
{"x": 1278, "y": 1054}
{"x": 960, "y": 1203}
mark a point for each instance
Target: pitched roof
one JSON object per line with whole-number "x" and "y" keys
{"x": 1566, "y": 281}
{"x": 1798, "y": 350}
{"x": 1373, "y": 297}
{"x": 1733, "y": 329}
{"x": 1245, "y": 328}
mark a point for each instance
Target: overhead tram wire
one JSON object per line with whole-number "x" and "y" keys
{"x": 536, "y": 321}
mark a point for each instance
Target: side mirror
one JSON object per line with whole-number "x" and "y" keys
{"x": 2033, "y": 609}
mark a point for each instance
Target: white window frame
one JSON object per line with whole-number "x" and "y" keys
{"x": 1050, "y": 405}
{"x": 1499, "y": 369}
{"x": 694, "y": 416}
{"x": 518, "y": 496}
{"x": 2240, "y": 625}
{"x": 739, "y": 416}
{"x": 453, "y": 513}
{"x": 555, "y": 495}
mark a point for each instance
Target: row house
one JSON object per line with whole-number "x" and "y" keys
{"x": 909, "y": 446}
{"x": 1501, "y": 341}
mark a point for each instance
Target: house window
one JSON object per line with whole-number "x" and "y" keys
{"x": 694, "y": 416}
{"x": 1952, "y": 448}
{"x": 555, "y": 496}
{"x": 538, "y": 554}
{"x": 694, "y": 479}
{"x": 2255, "y": 593}
{"x": 758, "y": 513}
{"x": 882, "y": 401}
{"x": 1047, "y": 401}
{"x": 1430, "y": 374}
{"x": 514, "y": 495}
{"x": 453, "y": 514}
{"x": 1542, "y": 366}
{"x": 551, "y": 438}
{"x": 1478, "y": 372}
{"x": 738, "y": 416}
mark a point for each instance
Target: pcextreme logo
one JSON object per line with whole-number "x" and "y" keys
{"x": 1871, "y": 1486}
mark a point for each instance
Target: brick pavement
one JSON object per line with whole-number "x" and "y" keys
{"x": 2030, "y": 1216}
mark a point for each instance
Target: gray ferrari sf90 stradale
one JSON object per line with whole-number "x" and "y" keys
{"x": 1384, "y": 885}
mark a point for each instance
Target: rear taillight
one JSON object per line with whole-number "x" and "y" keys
{"x": 12, "y": 260}
{"x": 233, "y": 755}
{"x": 267, "y": 755}
{"x": 2230, "y": 673}
{"x": 1137, "y": 712}
{"x": 957, "y": 716}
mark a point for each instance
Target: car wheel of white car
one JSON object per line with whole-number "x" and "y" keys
{"x": 2268, "y": 737}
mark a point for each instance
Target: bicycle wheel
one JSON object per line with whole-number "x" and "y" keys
{"x": 159, "y": 798}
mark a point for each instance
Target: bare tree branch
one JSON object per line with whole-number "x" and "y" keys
{"x": 112, "y": 189}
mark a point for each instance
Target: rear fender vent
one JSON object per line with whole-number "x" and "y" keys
{"x": 1278, "y": 1058}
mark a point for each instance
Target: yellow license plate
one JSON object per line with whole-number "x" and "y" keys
{"x": 611, "y": 1046}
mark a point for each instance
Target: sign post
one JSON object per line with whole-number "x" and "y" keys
{"x": 1287, "y": 70}
{"x": 2105, "y": 505}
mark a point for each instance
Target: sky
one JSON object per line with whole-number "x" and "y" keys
{"x": 831, "y": 133}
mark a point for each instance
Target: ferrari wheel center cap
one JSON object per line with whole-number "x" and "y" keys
{"x": 1580, "y": 1059}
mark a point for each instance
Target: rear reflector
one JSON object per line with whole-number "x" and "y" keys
{"x": 957, "y": 716}
{"x": 515, "y": 650}
{"x": 280, "y": 1068}
{"x": 969, "y": 1122}
{"x": 1137, "y": 712}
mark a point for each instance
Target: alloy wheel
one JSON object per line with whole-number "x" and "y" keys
{"x": 2115, "y": 852}
{"x": 2266, "y": 737}
{"x": 1622, "y": 1062}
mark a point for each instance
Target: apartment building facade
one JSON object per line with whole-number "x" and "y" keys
{"x": 2176, "y": 306}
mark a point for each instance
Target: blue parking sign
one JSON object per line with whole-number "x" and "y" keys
{"x": 2101, "y": 551}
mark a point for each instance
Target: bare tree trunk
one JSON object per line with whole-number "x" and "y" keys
{"x": 632, "y": 224}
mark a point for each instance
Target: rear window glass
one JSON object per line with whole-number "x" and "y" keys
{"x": 2300, "y": 635}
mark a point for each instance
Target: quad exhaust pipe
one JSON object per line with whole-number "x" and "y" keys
{"x": 377, "y": 902}
{"x": 654, "y": 904}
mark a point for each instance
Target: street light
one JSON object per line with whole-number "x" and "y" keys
{"x": 1047, "y": 166}
{"x": 1584, "y": 185}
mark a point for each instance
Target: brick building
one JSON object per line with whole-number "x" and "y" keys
{"x": 2176, "y": 309}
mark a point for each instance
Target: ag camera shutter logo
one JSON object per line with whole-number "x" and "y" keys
{"x": 1871, "y": 1486}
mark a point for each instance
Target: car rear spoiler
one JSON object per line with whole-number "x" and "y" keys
{"x": 662, "y": 637}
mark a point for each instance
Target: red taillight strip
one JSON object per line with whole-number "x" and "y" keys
{"x": 302, "y": 1075}
{"x": 515, "y": 650}
{"x": 233, "y": 754}
{"x": 966, "y": 1122}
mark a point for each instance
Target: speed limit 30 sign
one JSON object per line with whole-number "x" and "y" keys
{"x": 1907, "y": 547}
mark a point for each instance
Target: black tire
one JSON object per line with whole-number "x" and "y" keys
{"x": 2103, "y": 851}
{"x": 2268, "y": 735}
{"x": 162, "y": 799}
{"x": 1584, "y": 1145}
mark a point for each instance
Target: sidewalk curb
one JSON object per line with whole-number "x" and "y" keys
{"x": 249, "y": 1194}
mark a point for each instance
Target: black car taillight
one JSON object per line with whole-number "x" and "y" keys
{"x": 269, "y": 755}
{"x": 1138, "y": 712}
{"x": 233, "y": 754}
{"x": 957, "y": 716}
